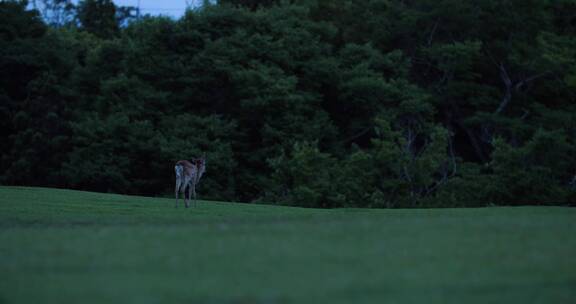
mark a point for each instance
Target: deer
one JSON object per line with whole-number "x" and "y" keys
{"x": 188, "y": 174}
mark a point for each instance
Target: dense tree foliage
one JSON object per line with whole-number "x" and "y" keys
{"x": 316, "y": 103}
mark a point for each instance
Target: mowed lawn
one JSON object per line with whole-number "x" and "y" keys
{"x": 60, "y": 246}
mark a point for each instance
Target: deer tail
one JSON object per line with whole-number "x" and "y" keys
{"x": 179, "y": 169}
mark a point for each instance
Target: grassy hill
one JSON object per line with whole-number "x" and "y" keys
{"x": 61, "y": 246}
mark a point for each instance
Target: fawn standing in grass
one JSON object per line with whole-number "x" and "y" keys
{"x": 188, "y": 174}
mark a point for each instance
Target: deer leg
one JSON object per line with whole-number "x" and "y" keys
{"x": 186, "y": 184}
{"x": 194, "y": 192}
{"x": 190, "y": 189}
{"x": 178, "y": 184}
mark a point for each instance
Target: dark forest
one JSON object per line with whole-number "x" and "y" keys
{"x": 312, "y": 103}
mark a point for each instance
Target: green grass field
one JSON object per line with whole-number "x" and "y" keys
{"x": 60, "y": 246}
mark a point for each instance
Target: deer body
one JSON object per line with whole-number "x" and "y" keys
{"x": 188, "y": 174}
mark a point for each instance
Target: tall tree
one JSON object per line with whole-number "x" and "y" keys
{"x": 35, "y": 65}
{"x": 99, "y": 17}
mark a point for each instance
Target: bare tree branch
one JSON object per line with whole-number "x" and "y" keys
{"x": 508, "y": 87}
{"x": 357, "y": 135}
{"x": 432, "y": 32}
